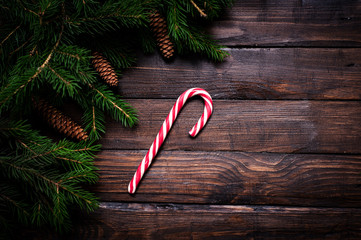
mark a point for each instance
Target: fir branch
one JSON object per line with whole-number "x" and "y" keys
{"x": 46, "y": 47}
{"x": 66, "y": 82}
{"x": 14, "y": 203}
{"x": 74, "y": 193}
{"x": 81, "y": 150}
{"x": 38, "y": 71}
{"x": 10, "y": 129}
{"x": 94, "y": 128}
{"x": 69, "y": 159}
{"x": 40, "y": 179}
{"x": 108, "y": 101}
{"x": 94, "y": 121}
{"x": 11, "y": 33}
{"x": 75, "y": 177}
{"x": 27, "y": 170}
{"x": 109, "y": 17}
{"x": 33, "y": 50}
{"x": 28, "y": 10}
{"x": 26, "y": 146}
{"x": 111, "y": 102}
{"x": 65, "y": 87}
{"x": 52, "y": 51}
{"x": 43, "y": 154}
{"x": 21, "y": 46}
{"x": 76, "y": 56}
{"x": 198, "y": 9}
{"x": 95, "y": 19}
{"x": 196, "y": 41}
{"x": 89, "y": 202}
{"x": 42, "y": 13}
{"x": 75, "y": 60}
{"x": 119, "y": 53}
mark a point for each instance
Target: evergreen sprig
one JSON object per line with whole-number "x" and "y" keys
{"x": 182, "y": 18}
{"x": 41, "y": 179}
{"x": 46, "y": 50}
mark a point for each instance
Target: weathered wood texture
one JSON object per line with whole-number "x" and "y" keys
{"x": 290, "y": 23}
{"x": 233, "y": 178}
{"x": 298, "y": 100}
{"x": 173, "y": 221}
{"x": 280, "y": 157}
{"x": 251, "y": 73}
{"x": 250, "y": 126}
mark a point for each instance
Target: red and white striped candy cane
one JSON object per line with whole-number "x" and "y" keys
{"x": 167, "y": 125}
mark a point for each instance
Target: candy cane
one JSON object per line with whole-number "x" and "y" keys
{"x": 167, "y": 125}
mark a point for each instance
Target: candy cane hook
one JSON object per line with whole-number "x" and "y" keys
{"x": 167, "y": 125}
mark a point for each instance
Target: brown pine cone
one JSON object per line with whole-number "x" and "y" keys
{"x": 59, "y": 121}
{"x": 159, "y": 28}
{"x": 105, "y": 70}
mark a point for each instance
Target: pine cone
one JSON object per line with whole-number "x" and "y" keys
{"x": 105, "y": 70}
{"x": 59, "y": 121}
{"x": 159, "y": 28}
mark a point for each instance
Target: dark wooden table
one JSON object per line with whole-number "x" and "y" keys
{"x": 280, "y": 157}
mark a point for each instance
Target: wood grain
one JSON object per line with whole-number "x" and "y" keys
{"x": 279, "y": 159}
{"x": 290, "y": 23}
{"x": 233, "y": 178}
{"x": 249, "y": 126}
{"x": 252, "y": 73}
{"x": 175, "y": 221}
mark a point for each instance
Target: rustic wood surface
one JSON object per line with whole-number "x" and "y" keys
{"x": 252, "y": 73}
{"x": 308, "y": 23}
{"x": 280, "y": 157}
{"x": 179, "y": 221}
{"x": 233, "y": 178}
{"x": 249, "y": 126}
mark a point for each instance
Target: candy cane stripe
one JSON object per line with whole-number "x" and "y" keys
{"x": 167, "y": 125}
{"x": 164, "y": 134}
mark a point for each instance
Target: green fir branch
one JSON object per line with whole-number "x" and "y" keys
{"x": 121, "y": 56}
{"x": 94, "y": 121}
{"x": 111, "y": 15}
{"x": 45, "y": 49}
{"x": 106, "y": 100}
{"x": 8, "y": 36}
{"x": 18, "y": 84}
{"x": 61, "y": 81}
{"x": 12, "y": 198}
{"x": 196, "y": 41}
{"x": 57, "y": 187}
{"x": 72, "y": 57}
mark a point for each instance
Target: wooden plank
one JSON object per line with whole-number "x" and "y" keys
{"x": 173, "y": 221}
{"x": 249, "y": 126}
{"x": 252, "y": 73}
{"x": 233, "y": 178}
{"x": 290, "y": 23}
